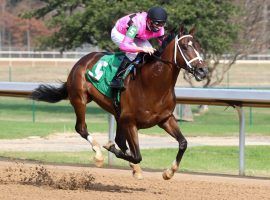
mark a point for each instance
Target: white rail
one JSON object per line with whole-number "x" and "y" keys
{"x": 78, "y": 54}
{"x": 45, "y": 54}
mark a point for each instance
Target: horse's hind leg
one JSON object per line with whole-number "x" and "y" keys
{"x": 81, "y": 128}
{"x": 171, "y": 127}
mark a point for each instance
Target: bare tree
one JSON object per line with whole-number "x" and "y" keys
{"x": 253, "y": 38}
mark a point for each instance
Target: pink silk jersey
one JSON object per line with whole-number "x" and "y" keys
{"x": 139, "y": 20}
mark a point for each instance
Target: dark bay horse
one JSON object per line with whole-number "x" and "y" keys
{"x": 148, "y": 100}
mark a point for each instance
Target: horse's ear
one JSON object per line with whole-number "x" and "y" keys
{"x": 192, "y": 31}
{"x": 181, "y": 29}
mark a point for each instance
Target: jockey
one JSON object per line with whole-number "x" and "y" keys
{"x": 131, "y": 34}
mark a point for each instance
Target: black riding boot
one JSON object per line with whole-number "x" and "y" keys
{"x": 118, "y": 78}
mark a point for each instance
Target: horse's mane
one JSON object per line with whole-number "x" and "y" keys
{"x": 166, "y": 39}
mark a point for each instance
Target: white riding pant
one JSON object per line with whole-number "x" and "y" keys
{"x": 118, "y": 37}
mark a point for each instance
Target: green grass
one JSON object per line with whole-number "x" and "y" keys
{"x": 16, "y": 120}
{"x": 207, "y": 159}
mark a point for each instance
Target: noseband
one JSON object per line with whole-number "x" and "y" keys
{"x": 188, "y": 63}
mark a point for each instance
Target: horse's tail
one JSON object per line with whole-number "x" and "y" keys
{"x": 50, "y": 93}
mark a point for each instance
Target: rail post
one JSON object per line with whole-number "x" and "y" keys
{"x": 111, "y": 137}
{"x": 241, "y": 116}
{"x": 33, "y": 111}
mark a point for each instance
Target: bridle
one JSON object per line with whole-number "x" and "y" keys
{"x": 188, "y": 62}
{"x": 177, "y": 46}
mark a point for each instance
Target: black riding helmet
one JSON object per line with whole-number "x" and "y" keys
{"x": 156, "y": 17}
{"x": 157, "y": 14}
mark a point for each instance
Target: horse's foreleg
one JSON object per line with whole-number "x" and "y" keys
{"x": 133, "y": 142}
{"x": 81, "y": 128}
{"x": 136, "y": 170}
{"x": 127, "y": 133}
{"x": 120, "y": 140}
{"x": 171, "y": 127}
{"x": 130, "y": 133}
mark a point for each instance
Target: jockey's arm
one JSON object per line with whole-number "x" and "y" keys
{"x": 127, "y": 45}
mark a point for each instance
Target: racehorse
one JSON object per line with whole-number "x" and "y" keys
{"x": 148, "y": 100}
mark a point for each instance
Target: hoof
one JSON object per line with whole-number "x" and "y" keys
{"x": 109, "y": 145}
{"x": 98, "y": 159}
{"x": 137, "y": 175}
{"x": 136, "y": 171}
{"x": 99, "y": 162}
{"x": 167, "y": 174}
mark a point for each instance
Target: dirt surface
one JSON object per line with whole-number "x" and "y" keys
{"x": 31, "y": 181}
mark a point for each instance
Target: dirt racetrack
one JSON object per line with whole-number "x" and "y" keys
{"x": 32, "y": 181}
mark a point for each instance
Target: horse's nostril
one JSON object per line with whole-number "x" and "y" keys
{"x": 203, "y": 70}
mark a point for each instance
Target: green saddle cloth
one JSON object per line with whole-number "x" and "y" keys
{"x": 103, "y": 72}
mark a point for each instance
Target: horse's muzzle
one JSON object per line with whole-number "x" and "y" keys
{"x": 201, "y": 73}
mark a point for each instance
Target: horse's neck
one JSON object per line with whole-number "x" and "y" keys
{"x": 168, "y": 55}
{"x": 161, "y": 75}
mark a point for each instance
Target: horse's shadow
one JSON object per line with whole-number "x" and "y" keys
{"x": 115, "y": 188}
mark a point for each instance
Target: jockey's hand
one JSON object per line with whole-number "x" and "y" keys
{"x": 149, "y": 50}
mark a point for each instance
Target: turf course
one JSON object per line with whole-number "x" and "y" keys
{"x": 16, "y": 120}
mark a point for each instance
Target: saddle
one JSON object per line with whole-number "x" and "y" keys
{"x": 103, "y": 72}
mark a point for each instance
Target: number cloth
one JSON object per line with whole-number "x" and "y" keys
{"x": 103, "y": 72}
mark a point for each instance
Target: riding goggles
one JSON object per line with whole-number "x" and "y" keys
{"x": 158, "y": 23}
